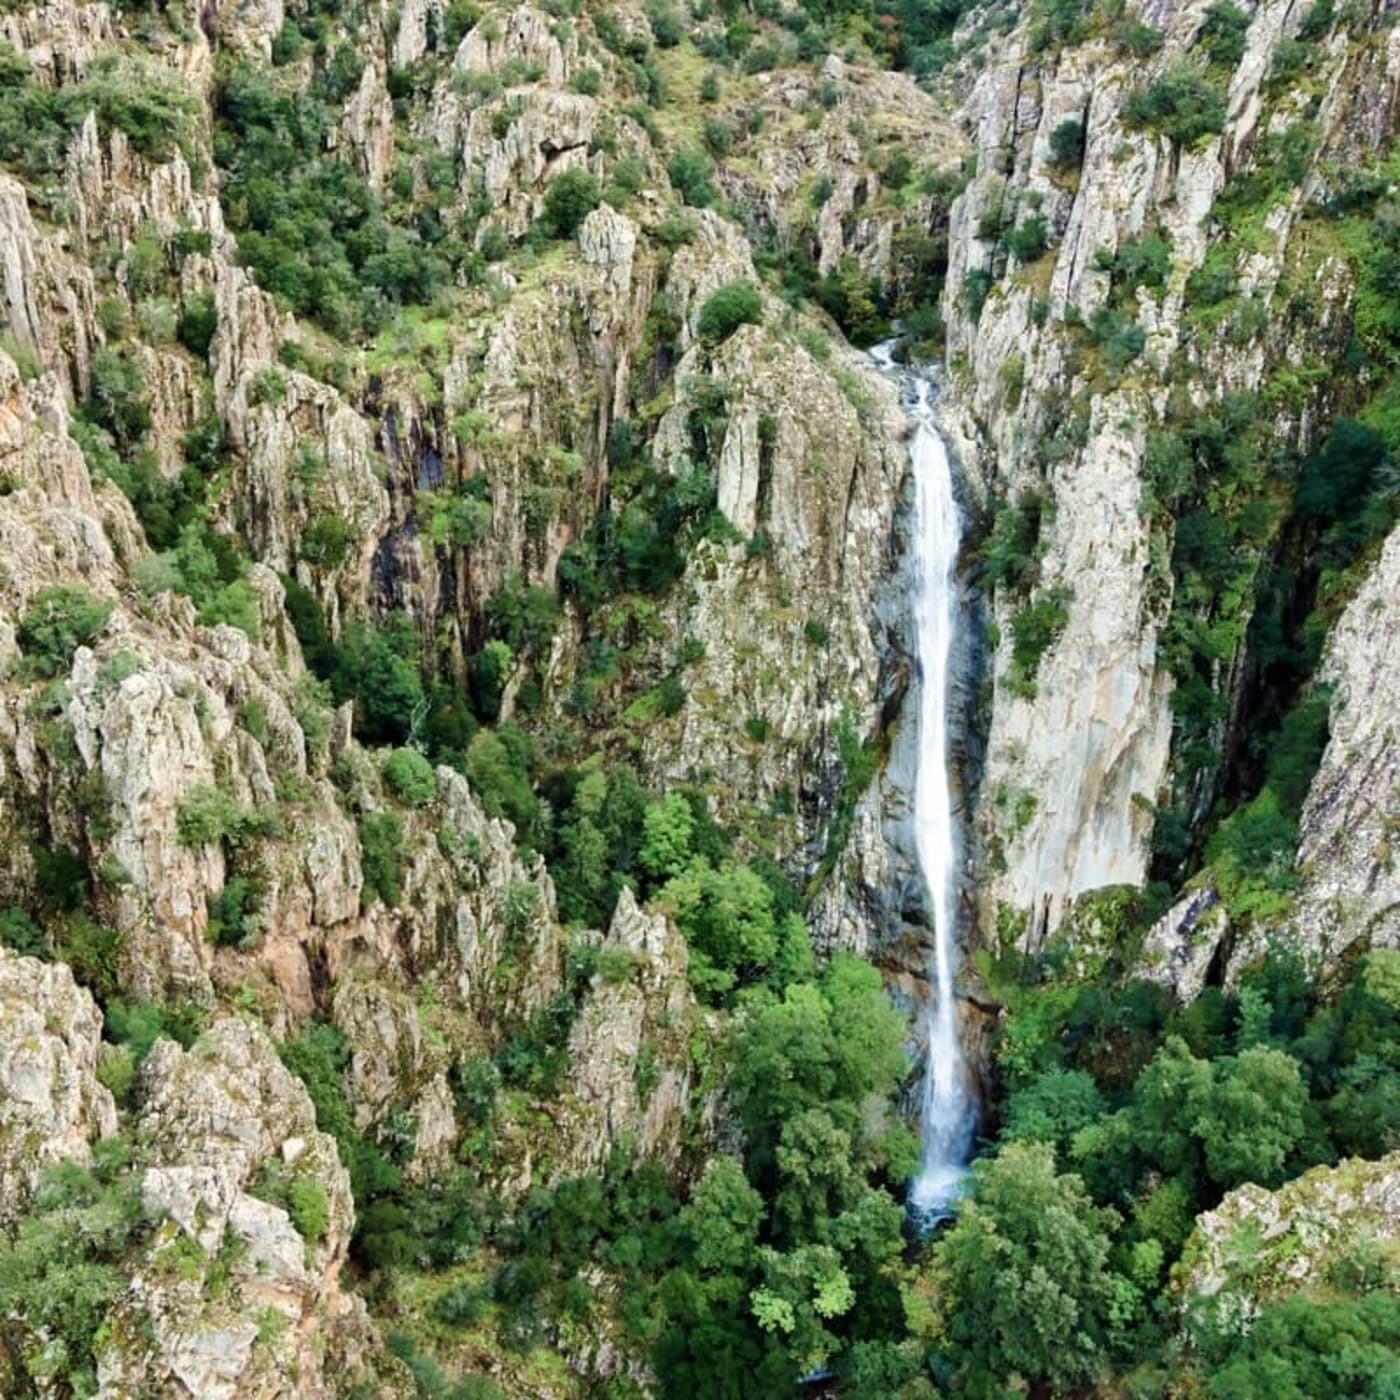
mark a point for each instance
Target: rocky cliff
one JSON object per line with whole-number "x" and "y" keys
{"x": 1118, "y": 269}
{"x": 432, "y": 435}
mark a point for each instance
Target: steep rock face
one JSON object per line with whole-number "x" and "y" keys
{"x": 396, "y": 1068}
{"x": 1258, "y": 1246}
{"x": 524, "y": 35}
{"x": 629, "y": 1048}
{"x": 1350, "y": 883}
{"x": 547, "y": 363}
{"x": 1179, "y": 949}
{"x": 810, "y": 470}
{"x": 1078, "y": 750}
{"x": 796, "y": 151}
{"x": 51, "y": 1105}
{"x": 227, "y": 1124}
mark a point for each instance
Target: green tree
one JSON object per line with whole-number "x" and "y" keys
{"x": 117, "y": 397}
{"x": 726, "y": 915}
{"x": 1250, "y": 1118}
{"x": 378, "y": 668}
{"x": 1026, "y": 1275}
{"x": 853, "y": 301}
{"x": 723, "y": 1217}
{"x": 1053, "y": 1108}
{"x": 381, "y": 858}
{"x": 667, "y": 830}
{"x": 498, "y": 766}
{"x": 1182, "y": 104}
{"x": 1029, "y": 239}
{"x": 690, "y": 172}
{"x": 837, "y": 1045}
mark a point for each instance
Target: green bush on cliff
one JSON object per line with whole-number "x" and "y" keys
{"x": 207, "y": 815}
{"x": 1183, "y": 105}
{"x": 57, "y": 623}
{"x": 733, "y": 305}
{"x": 1034, "y": 630}
{"x": 411, "y": 777}
{"x": 690, "y": 172}
{"x": 65, "y": 1264}
{"x": 1029, "y": 239}
{"x": 381, "y": 859}
{"x": 1067, "y": 144}
{"x": 37, "y": 122}
{"x": 571, "y": 197}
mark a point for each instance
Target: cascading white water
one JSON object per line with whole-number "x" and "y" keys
{"x": 948, "y": 1110}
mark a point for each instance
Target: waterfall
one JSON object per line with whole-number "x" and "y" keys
{"x": 948, "y": 1111}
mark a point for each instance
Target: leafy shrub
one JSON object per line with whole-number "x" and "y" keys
{"x": 233, "y": 605}
{"x": 1067, "y": 144}
{"x": 21, "y": 934}
{"x": 1034, "y": 630}
{"x": 311, "y": 229}
{"x": 976, "y": 287}
{"x": 1011, "y": 551}
{"x": 667, "y": 26}
{"x": 309, "y": 1208}
{"x": 587, "y": 82}
{"x": 59, "y": 621}
{"x": 498, "y": 767}
{"x": 571, "y": 197}
{"x": 232, "y": 912}
{"x": 1121, "y": 337}
{"x": 1029, "y": 239}
{"x": 197, "y": 324}
{"x": 726, "y": 915}
{"x": 207, "y": 815}
{"x": 855, "y": 302}
{"x": 124, "y": 94}
{"x": 378, "y": 668}
{"x": 1214, "y": 281}
{"x": 1183, "y": 105}
{"x": 381, "y": 858}
{"x": 268, "y": 385}
{"x": 719, "y": 136}
{"x": 117, "y": 397}
{"x": 462, "y": 1305}
{"x": 411, "y": 777}
{"x": 1136, "y": 38}
{"x": 1143, "y": 262}
{"x": 325, "y": 543}
{"x": 64, "y": 1265}
{"x": 1292, "y": 59}
{"x": 733, "y": 305}
{"x": 690, "y": 171}
{"x": 458, "y": 17}
{"x": 138, "y": 1025}
{"x": 92, "y": 950}
{"x": 1222, "y": 34}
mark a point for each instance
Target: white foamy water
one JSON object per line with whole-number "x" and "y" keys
{"x": 948, "y": 1112}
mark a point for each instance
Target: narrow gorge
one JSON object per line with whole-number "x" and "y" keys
{"x": 696, "y": 698}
